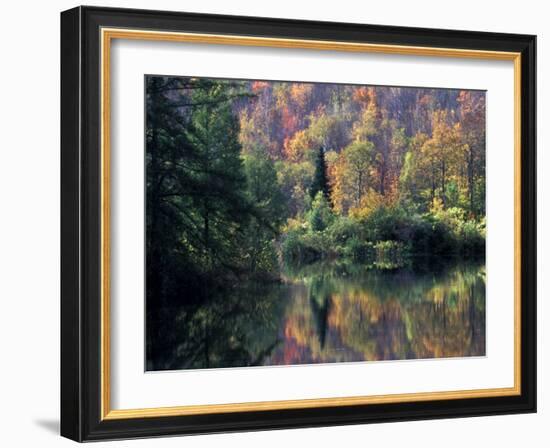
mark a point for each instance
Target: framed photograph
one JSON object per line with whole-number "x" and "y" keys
{"x": 272, "y": 223}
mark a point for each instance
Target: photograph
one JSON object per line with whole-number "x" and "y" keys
{"x": 297, "y": 223}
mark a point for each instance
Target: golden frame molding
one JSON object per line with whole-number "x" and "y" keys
{"x": 106, "y": 38}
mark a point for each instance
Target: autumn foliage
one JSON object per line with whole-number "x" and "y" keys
{"x": 245, "y": 179}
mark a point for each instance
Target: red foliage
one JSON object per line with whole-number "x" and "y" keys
{"x": 361, "y": 95}
{"x": 258, "y": 86}
{"x": 289, "y": 122}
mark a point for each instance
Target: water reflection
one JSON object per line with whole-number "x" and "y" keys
{"x": 330, "y": 313}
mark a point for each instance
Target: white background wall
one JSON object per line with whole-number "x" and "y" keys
{"x": 29, "y": 220}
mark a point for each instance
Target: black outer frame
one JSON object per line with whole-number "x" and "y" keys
{"x": 80, "y": 224}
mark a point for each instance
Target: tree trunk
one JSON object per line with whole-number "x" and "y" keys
{"x": 443, "y": 182}
{"x": 471, "y": 179}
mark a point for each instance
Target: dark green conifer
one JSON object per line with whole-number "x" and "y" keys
{"x": 320, "y": 180}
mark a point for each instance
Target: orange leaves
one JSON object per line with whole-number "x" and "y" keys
{"x": 296, "y": 147}
{"x": 337, "y": 171}
{"x": 446, "y": 141}
{"x": 369, "y": 202}
{"x": 441, "y": 132}
{"x": 361, "y": 94}
{"x": 305, "y": 142}
{"x": 289, "y": 121}
{"x": 472, "y": 115}
{"x": 352, "y": 175}
{"x": 471, "y": 103}
{"x": 300, "y": 93}
{"x": 258, "y": 86}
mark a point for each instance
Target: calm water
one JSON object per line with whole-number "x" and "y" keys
{"x": 332, "y": 313}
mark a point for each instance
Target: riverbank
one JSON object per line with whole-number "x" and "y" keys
{"x": 388, "y": 238}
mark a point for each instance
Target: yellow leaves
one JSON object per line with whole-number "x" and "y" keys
{"x": 351, "y": 172}
{"x": 294, "y": 224}
{"x": 251, "y": 137}
{"x": 446, "y": 135}
{"x": 414, "y": 144}
{"x": 307, "y": 141}
{"x": 437, "y": 206}
{"x": 368, "y": 124}
{"x": 295, "y": 94}
{"x": 247, "y": 130}
{"x": 331, "y": 157}
{"x": 336, "y": 169}
{"x": 369, "y": 202}
{"x": 371, "y": 118}
{"x": 280, "y": 93}
{"x": 299, "y": 93}
{"x": 418, "y": 140}
{"x": 444, "y": 151}
{"x": 296, "y": 147}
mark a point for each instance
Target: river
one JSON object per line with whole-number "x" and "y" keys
{"x": 326, "y": 313}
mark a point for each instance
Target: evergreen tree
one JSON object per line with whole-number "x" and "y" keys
{"x": 320, "y": 216}
{"x": 220, "y": 208}
{"x": 320, "y": 179}
{"x": 197, "y": 204}
{"x": 269, "y": 212}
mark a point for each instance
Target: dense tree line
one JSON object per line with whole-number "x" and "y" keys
{"x": 399, "y": 143}
{"x": 212, "y": 212}
{"x": 245, "y": 179}
{"x": 244, "y": 175}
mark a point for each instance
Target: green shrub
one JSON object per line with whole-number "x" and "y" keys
{"x": 320, "y": 216}
{"x": 306, "y": 247}
{"x": 440, "y": 239}
{"x": 382, "y": 224}
{"x": 342, "y": 230}
{"x": 387, "y": 238}
{"x": 472, "y": 238}
{"x": 295, "y": 250}
{"x": 391, "y": 254}
{"x": 455, "y": 234}
{"x": 359, "y": 251}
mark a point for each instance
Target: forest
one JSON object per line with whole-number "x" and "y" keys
{"x": 246, "y": 180}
